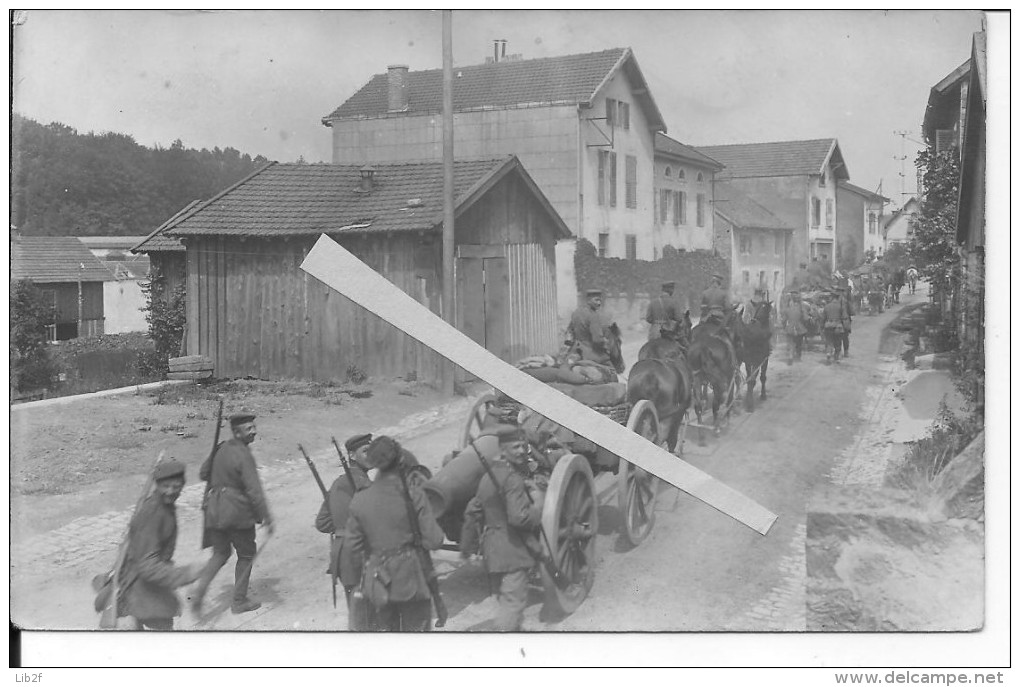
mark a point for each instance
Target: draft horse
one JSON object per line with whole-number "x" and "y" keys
{"x": 755, "y": 345}
{"x": 714, "y": 363}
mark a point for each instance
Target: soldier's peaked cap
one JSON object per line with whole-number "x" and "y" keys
{"x": 357, "y": 441}
{"x": 383, "y": 452}
{"x": 668, "y": 284}
{"x": 241, "y": 417}
{"x": 717, "y": 276}
{"x": 506, "y": 433}
{"x": 167, "y": 469}
{"x": 593, "y": 292}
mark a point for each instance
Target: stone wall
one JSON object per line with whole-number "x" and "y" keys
{"x": 628, "y": 285}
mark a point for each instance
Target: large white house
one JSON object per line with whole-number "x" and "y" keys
{"x": 583, "y": 125}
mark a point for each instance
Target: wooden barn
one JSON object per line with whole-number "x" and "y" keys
{"x": 254, "y": 312}
{"x": 70, "y": 277}
{"x": 167, "y": 257}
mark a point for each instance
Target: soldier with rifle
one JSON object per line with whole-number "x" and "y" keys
{"x": 332, "y": 518}
{"x": 505, "y": 514}
{"x": 234, "y": 503}
{"x": 393, "y": 528}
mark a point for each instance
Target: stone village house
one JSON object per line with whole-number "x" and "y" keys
{"x": 796, "y": 181}
{"x": 584, "y": 126}
{"x": 859, "y": 224}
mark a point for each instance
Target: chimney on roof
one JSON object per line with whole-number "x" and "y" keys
{"x": 367, "y": 179}
{"x": 396, "y": 75}
{"x": 498, "y": 49}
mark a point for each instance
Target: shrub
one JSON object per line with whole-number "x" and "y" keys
{"x": 31, "y": 366}
{"x": 165, "y": 311}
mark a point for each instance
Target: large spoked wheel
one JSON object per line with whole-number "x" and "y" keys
{"x": 637, "y": 489}
{"x": 473, "y": 426}
{"x": 570, "y": 521}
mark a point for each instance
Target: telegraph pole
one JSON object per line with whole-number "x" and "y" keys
{"x": 448, "y": 256}
{"x": 903, "y": 163}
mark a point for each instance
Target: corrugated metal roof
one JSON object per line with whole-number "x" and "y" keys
{"x": 48, "y": 259}
{"x": 670, "y": 146}
{"x": 777, "y": 159}
{"x": 296, "y": 199}
{"x": 742, "y": 211}
{"x": 566, "y": 79}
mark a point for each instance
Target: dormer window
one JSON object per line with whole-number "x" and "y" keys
{"x": 669, "y": 172}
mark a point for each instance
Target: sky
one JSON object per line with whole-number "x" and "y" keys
{"x": 261, "y": 81}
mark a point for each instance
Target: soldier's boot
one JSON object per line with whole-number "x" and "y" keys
{"x": 244, "y": 606}
{"x": 242, "y": 576}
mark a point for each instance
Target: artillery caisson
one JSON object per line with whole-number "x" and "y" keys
{"x": 570, "y": 511}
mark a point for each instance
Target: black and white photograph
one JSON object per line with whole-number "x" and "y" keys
{"x": 505, "y": 321}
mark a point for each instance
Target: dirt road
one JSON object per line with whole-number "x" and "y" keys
{"x": 699, "y": 570}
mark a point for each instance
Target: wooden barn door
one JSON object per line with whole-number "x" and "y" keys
{"x": 482, "y": 292}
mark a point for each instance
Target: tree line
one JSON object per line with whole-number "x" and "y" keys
{"x": 65, "y": 183}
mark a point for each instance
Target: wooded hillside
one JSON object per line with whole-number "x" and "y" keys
{"x": 66, "y": 183}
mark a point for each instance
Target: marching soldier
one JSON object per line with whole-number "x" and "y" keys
{"x": 149, "y": 576}
{"x": 508, "y": 515}
{"x": 332, "y": 519}
{"x": 849, "y": 311}
{"x": 379, "y": 530}
{"x": 663, "y": 313}
{"x": 794, "y": 318}
{"x": 832, "y": 326}
{"x": 588, "y": 331}
{"x": 715, "y": 301}
{"x": 236, "y": 503}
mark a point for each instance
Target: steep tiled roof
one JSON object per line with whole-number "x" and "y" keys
{"x": 862, "y": 191}
{"x": 109, "y": 242}
{"x": 158, "y": 241}
{"x": 670, "y": 146}
{"x": 567, "y": 79}
{"x": 778, "y": 159}
{"x": 302, "y": 199}
{"x": 743, "y": 212}
{"x": 47, "y": 259}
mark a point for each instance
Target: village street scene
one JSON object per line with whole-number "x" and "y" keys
{"x": 525, "y": 329}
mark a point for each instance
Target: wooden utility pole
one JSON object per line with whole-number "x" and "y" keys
{"x": 81, "y": 298}
{"x": 448, "y": 254}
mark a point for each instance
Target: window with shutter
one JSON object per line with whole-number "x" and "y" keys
{"x": 603, "y": 245}
{"x": 683, "y": 206}
{"x": 828, "y": 213}
{"x": 631, "y": 181}
{"x": 677, "y": 195}
{"x": 631, "y": 240}
{"x": 612, "y": 180}
{"x": 816, "y": 212}
{"x": 625, "y": 116}
{"x": 944, "y": 140}
{"x": 610, "y": 113}
{"x": 663, "y": 205}
{"x": 603, "y": 155}
{"x": 701, "y": 209}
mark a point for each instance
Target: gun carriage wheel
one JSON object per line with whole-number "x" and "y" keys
{"x": 570, "y": 521}
{"x": 638, "y": 489}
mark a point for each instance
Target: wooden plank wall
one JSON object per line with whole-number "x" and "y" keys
{"x": 255, "y": 313}
{"x": 532, "y": 301}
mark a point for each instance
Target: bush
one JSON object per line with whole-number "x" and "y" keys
{"x": 165, "y": 312}
{"x": 925, "y": 459}
{"x": 31, "y": 366}
{"x": 103, "y": 362}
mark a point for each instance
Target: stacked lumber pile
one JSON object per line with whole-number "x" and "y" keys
{"x": 190, "y": 367}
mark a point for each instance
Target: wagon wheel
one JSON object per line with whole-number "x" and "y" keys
{"x": 473, "y": 426}
{"x": 570, "y": 521}
{"x": 636, "y": 488}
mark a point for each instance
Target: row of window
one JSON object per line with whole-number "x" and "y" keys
{"x": 816, "y": 212}
{"x": 607, "y": 179}
{"x": 872, "y": 223}
{"x": 746, "y": 276}
{"x": 630, "y": 245}
{"x": 746, "y": 244}
{"x": 681, "y": 174}
{"x": 677, "y": 201}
